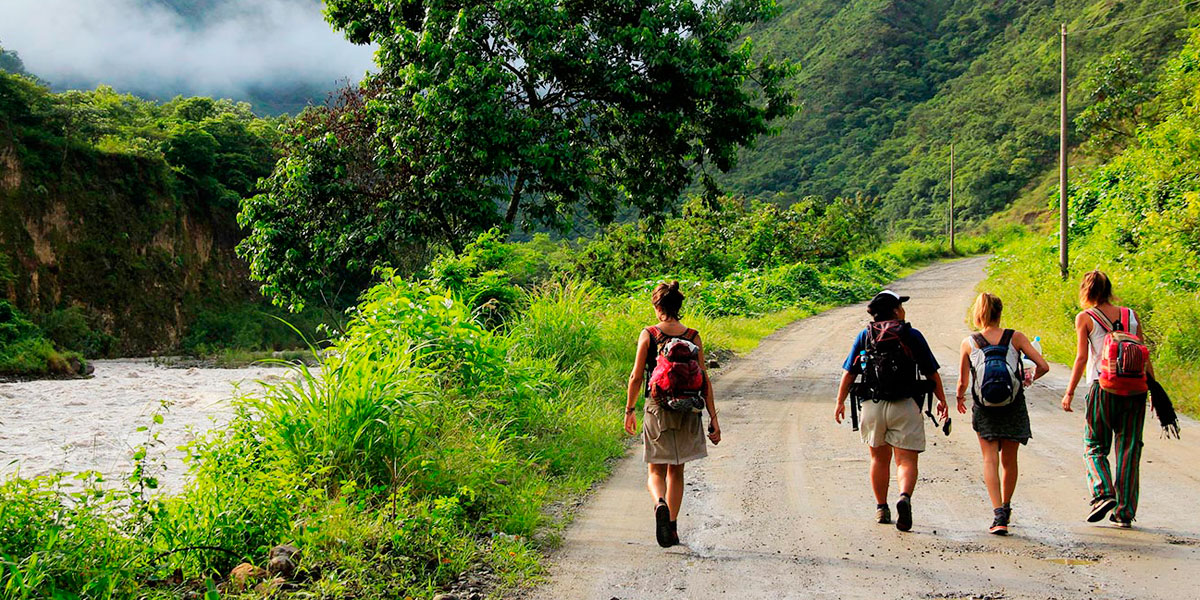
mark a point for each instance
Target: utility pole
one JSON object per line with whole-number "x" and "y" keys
{"x": 1062, "y": 160}
{"x": 952, "y": 251}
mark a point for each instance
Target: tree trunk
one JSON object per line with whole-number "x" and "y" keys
{"x": 514, "y": 203}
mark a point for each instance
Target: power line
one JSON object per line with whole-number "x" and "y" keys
{"x": 1153, "y": 14}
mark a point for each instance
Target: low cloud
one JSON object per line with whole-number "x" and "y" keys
{"x": 146, "y": 47}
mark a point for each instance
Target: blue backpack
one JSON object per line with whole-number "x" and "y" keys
{"x": 997, "y": 373}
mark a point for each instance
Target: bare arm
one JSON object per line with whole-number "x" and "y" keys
{"x": 843, "y": 390}
{"x": 637, "y": 379}
{"x": 709, "y": 403}
{"x": 1041, "y": 367}
{"x": 964, "y": 375}
{"x": 1083, "y": 328}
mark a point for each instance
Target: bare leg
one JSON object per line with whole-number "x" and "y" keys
{"x": 1008, "y": 461}
{"x": 991, "y": 472}
{"x": 881, "y": 472}
{"x": 656, "y": 482}
{"x": 906, "y": 470}
{"x": 674, "y": 489}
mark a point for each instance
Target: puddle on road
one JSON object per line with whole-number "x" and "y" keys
{"x": 1071, "y": 562}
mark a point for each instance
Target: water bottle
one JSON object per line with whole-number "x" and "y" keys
{"x": 1028, "y": 364}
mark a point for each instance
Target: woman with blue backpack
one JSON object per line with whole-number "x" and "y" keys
{"x": 669, "y": 372}
{"x": 990, "y": 364}
{"x": 1110, "y": 347}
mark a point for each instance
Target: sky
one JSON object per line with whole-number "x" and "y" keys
{"x": 143, "y": 46}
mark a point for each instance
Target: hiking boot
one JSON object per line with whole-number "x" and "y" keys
{"x": 1100, "y": 508}
{"x": 662, "y": 523}
{"x": 883, "y": 515}
{"x": 1119, "y": 523}
{"x": 1000, "y": 522}
{"x": 904, "y": 513}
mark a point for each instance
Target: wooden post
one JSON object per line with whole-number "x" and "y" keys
{"x": 952, "y": 251}
{"x": 1062, "y": 159}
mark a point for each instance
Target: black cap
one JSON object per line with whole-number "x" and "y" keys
{"x": 885, "y": 302}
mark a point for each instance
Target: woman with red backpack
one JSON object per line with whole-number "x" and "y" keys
{"x": 1110, "y": 347}
{"x": 669, "y": 371}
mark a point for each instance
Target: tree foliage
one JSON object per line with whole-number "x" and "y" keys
{"x": 1116, "y": 89}
{"x": 514, "y": 112}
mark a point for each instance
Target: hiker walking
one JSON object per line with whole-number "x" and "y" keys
{"x": 669, "y": 371}
{"x": 1110, "y": 346}
{"x": 990, "y": 363}
{"x": 891, "y": 356}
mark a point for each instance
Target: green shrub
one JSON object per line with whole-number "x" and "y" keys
{"x": 73, "y": 329}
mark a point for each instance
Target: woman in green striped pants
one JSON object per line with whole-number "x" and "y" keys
{"x": 1110, "y": 418}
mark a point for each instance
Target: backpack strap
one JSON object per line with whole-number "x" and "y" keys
{"x": 690, "y": 335}
{"x": 980, "y": 341}
{"x": 1101, "y": 319}
{"x": 1126, "y": 322}
{"x": 1006, "y": 338}
{"x": 654, "y": 332}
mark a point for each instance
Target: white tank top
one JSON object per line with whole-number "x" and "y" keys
{"x": 1096, "y": 343}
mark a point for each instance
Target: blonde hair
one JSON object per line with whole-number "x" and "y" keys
{"x": 986, "y": 310}
{"x": 1095, "y": 289}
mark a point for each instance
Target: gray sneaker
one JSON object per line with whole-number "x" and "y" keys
{"x": 883, "y": 515}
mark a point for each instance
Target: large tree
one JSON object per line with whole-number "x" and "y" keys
{"x": 514, "y": 112}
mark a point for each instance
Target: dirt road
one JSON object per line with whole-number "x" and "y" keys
{"x": 782, "y": 508}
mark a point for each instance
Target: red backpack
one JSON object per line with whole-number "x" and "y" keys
{"x": 1123, "y": 357}
{"x": 676, "y": 379}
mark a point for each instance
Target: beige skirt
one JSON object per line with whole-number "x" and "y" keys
{"x": 670, "y": 437}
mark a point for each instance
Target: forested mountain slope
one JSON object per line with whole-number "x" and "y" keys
{"x": 888, "y": 84}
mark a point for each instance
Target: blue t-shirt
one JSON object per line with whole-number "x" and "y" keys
{"x": 913, "y": 339}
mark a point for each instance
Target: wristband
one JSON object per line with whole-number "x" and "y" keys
{"x": 629, "y": 411}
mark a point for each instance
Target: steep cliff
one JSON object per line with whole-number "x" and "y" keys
{"x": 139, "y": 245}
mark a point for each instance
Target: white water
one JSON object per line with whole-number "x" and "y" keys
{"x": 91, "y": 424}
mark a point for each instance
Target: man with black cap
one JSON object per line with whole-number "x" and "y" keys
{"x": 891, "y": 356}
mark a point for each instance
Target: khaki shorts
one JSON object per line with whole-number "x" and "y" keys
{"x": 897, "y": 423}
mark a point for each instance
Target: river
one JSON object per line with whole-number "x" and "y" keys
{"x": 92, "y": 424}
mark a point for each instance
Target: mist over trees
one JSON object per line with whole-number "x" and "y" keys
{"x": 280, "y": 55}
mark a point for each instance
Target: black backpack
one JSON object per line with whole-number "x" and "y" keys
{"x": 889, "y": 371}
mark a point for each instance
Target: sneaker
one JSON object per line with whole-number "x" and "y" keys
{"x": 904, "y": 513}
{"x": 1119, "y": 523}
{"x": 662, "y": 523}
{"x": 1100, "y": 508}
{"x": 883, "y": 515}
{"x": 1000, "y": 522}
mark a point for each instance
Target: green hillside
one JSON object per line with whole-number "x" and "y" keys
{"x": 888, "y": 84}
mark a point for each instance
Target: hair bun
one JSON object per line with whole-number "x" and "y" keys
{"x": 674, "y": 287}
